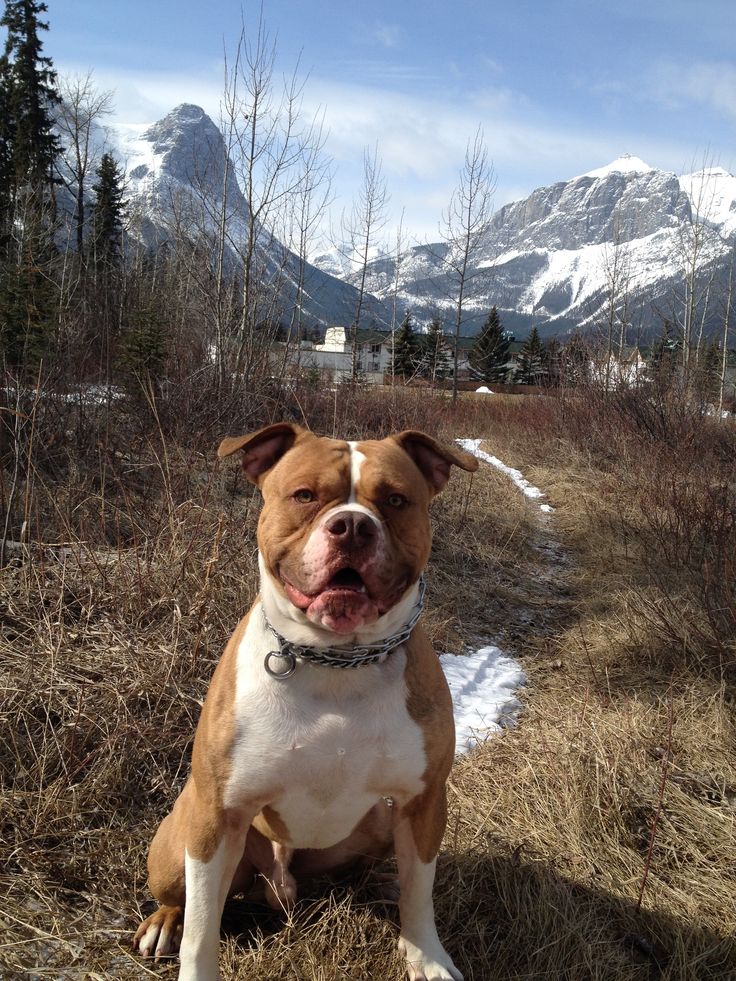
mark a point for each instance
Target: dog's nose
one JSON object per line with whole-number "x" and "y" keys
{"x": 351, "y": 529}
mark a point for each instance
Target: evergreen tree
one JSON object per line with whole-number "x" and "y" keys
{"x": 663, "y": 355}
{"x": 710, "y": 372}
{"x": 142, "y": 352}
{"x": 28, "y": 307}
{"x": 28, "y": 149}
{"x": 531, "y": 359}
{"x": 575, "y": 361}
{"x": 107, "y": 255}
{"x": 107, "y": 213}
{"x": 29, "y": 94}
{"x": 552, "y": 361}
{"x": 6, "y": 147}
{"x": 435, "y": 358}
{"x": 490, "y": 352}
{"x": 406, "y": 349}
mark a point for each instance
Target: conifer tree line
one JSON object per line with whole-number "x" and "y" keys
{"x": 44, "y": 288}
{"x": 428, "y": 355}
{"x": 421, "y": 355}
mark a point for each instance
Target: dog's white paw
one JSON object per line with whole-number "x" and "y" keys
{"x": 160, "y": 934}
{"x": 430, "y": 962}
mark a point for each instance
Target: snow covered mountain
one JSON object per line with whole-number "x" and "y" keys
{"x": 619, "y": 238}
{"x": 616, "y": 243}
{"x": 182, "y": 185}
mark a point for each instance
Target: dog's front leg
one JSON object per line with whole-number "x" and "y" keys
{"x": 207, "y": 886}
{"x": 418, "y": 831}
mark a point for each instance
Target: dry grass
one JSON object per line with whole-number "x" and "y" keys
{"x": 627, "y": 743}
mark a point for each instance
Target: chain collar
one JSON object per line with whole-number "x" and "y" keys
{"x": 338, "y": 657}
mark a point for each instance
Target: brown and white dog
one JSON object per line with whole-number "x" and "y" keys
{"x": 300, "y": 764}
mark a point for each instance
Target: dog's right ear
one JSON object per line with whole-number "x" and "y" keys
{"x": 262, "y": 449}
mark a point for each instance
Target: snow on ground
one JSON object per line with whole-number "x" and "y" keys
{"x": 483, "y": 688}
{"x": 483, "y": 685}
{"x": 87, "y": 394}
{"x": 473, "y": 446}
{"x": 585, "y": 270}
{"x": 712, "y": 193}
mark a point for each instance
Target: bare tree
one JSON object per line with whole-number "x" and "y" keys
{"x": 82, "y": 108}
{"x": 270, "y": 144}
{"x": 617, "y": 272}
{"x": 698, "y": 243}
{"x": 361, "y": 228}
{"x": 243, "y": 209}
{"x": 728, "y": 305}
{"x": 308, "y": 205}
{"x": 399, "y": 259}
{"x": 464, "y": 229}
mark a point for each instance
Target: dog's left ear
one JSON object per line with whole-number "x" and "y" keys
{"x": 262, "y": 449}
{"x": 434, "y": 459}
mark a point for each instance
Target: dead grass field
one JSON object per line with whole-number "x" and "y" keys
{"x": 597, "y": 840}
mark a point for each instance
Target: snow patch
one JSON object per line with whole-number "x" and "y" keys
{"x": 627, "y": 164}
{"x": 484, "y": 390}
{"x": 137, "y": 152}
{"x": 483, "y": 688}
{"x": 583, "y": 272}
{"x": 473, "y": 446}
{"x": 712, "y": 193}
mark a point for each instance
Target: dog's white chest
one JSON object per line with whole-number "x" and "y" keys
{"x": 321, "y": 747}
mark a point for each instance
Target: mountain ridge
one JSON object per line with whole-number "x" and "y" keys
{"x": 549, "y": 259}
{"x": 180, "y": 180}
{"x": 557, "y": 258}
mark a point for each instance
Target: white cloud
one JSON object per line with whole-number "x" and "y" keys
{"x": 387, "y": 34}
{"x": 712, "y": 84}
{"x": 146, "y": 96}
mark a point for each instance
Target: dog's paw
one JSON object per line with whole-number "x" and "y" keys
{"x": 160, "y": 934}
{"x": 428, "y": 963}
{"x": 281, "y": 894}
{"x": 382, "y": 887}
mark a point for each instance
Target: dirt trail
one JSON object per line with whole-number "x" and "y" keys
{"x": 536, "y": 600}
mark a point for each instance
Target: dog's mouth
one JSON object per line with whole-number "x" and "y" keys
{"x": 342, "y": 603}
{"x": 348, "y": 579}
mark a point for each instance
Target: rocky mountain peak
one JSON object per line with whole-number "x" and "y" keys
{"x": 184, "y": 147}
{"x": 176, "y": 171}
{"x": 182, "y": 124}
{"x": 548, "y": 259}
{"x": 626, "y": 164}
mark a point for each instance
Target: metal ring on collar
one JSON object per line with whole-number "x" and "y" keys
{"x": 285, "y": 656}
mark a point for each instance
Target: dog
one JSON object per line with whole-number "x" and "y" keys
{"x": 327, "y": 733}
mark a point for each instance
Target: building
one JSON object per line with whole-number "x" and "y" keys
{"x": 334, "y": 356}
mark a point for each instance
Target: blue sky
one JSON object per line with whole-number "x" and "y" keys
{"x": 559, "y": 86}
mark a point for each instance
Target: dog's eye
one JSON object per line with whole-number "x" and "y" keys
{"x": 396, "y": 500}
{"x": 303, "y": 496}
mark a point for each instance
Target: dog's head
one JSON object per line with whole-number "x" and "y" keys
{"x": 344, "y": 532}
